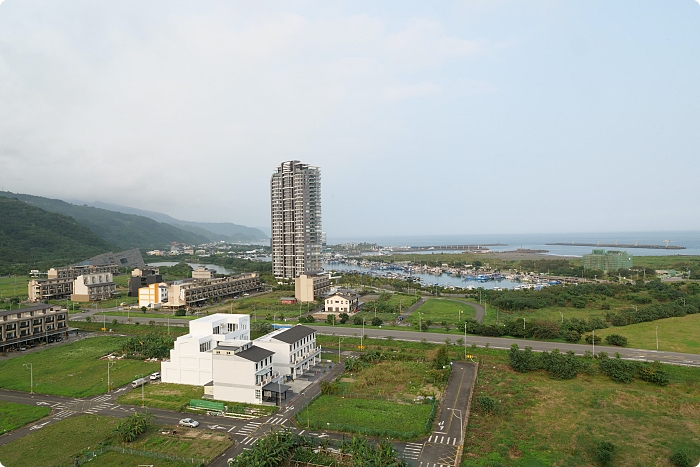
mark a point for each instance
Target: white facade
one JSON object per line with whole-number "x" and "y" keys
{"x": 89, "y": 287}
{"x": 191, "y": 359}
{"x": 341, "y": 303}
{"x": 295, "y": 350}
{"x": 241, "y": 370}
{"x": 154, "y": 295}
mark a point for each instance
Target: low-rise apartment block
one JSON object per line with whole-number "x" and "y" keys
{"x": 308, "y": 287}
{"x": 294, "y": 348}
{"x": 91, "y": 287}
{"x": 203, "y": 273}
{"x": 49, "y": 289}
{"x": 72, "y": 272}
{"x": 343, "y": 301}
{"x": 28, "y": 325}
{"x": 193, "y": 292}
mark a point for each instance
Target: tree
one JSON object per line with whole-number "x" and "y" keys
{"x": 344, "y": 317}
{"x": 522, "y": 360}
{"x": 442, "y": 357}
{"x": 589, "y": 339}
{"x": 377, "y": 321}
{"x": 616, "y": 339}
{"x": 357, "y": 321}
{"x": 330, "y": 318}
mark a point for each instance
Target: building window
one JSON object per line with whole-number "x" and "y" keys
{"x": 205, "y": 346}
{"x": 257, "y": 393}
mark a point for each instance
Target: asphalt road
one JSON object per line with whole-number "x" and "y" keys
{"x": 673, "y": 358}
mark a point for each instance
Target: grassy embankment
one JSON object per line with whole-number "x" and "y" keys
{"x": 439, "y": 310}
{"x": 13, "y": 286}
{"x": 73, "y": 370}
{"x": 540, "y": 422}
{"x": 679, "y": 334}
{"x": 133, "y": 329}
{"x": 14, "y": 415}
{"x": 57, "y": 445}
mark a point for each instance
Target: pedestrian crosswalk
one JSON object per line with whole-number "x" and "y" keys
{"x": 63, "y": 414}
{"x": 249, "y": 441}
{"x": 249, "y": 428}
{"x": 439, "y": 439}
{"x": 433, "y": 464}
{"x": 412, "y": 451}
{"x": 103, "y": 398}
{"x": 276, "y": 420}
{"x": 99, "y": 407}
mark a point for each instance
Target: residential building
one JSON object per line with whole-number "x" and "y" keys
{"x": 288, "y": 300}
{"x": 294, "y": 348}
{"x": 197, "y": 292}
{"x": 611, "y": 260}
{"x": 244, "y": 373}
{"x": 191, "y": 358}
{"x": 308, "y": 287}
{"x": 343, "y": 301}
{"x": 91, "y": 287}
{"x": 203, "y": 273}
{"x": 28, "y": 325}
{"x": 295, "y": 194}
{"x": 49, "y": 289}
{"x": 153, "y": 295}
{"x": 143, "y": 277}
{"x": 72, "y": 272}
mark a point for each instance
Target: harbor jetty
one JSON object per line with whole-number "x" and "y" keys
{"x": 622, "y": 245}
{"x": 483, "y": 246}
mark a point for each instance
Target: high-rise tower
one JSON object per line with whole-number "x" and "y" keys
{"x": 295, "y": 193}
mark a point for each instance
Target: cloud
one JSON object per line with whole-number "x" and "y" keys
{"x": 406, "y": 91}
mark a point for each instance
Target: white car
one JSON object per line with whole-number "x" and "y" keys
{"x": 155, "y": 376}
{"x": 188, "y": 422}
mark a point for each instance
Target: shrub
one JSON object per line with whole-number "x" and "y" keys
{"x": 357, "y": 321}
{"x": 377, "y": 321}
{"x": 310, "y": 319}
{"x": 616, "y": 339}
{"x": 523, "y": 360}
{"x": 572, "y": 336}
{"x": 181, "y": 312}
{"x": 681, "y": 459}
{"x": 653, "y": 374}
{"x": 618, "y": 370}
{"x": 559, "y": 365}
{"x": 114, "y": 321}
{"x": 344, "y": 317}
{"x": 330, "y": 318}
{"x": 604, "y": 452}
{"x": 88, "y": 318}
{"x": 487, "y": 404}
{"x": 144, "y": 309}
{"x": 328, "y": 388}
{"x": 442, "y": 358}
{"x": 578, "y": 302}
{"x": 589, "y": 339}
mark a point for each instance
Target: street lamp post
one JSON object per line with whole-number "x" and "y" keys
{"x": 339, "y": 341}
{"x": 657, "y": 338}
{"x": 593, "y": 343}
{"x": 362, "y": 347}
{"x": 109, "y": 381}
{"x": 143, "y": 384}
{"x": 523, "y": 323}
{"x": 31, "y": 376}
{"x": 562, "y": 317}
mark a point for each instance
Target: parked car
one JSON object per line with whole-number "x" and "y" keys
{"x": 22, "y": 349}
{"x": 155, "y": 376}
{"x": 188, "y": 422}
{"x": 139, "y": 382}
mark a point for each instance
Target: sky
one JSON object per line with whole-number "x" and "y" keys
{"x": 426, "y": 118}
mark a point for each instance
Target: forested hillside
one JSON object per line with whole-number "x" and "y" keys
{"x": 31, "y": 238}
{"x": 124, "y": 231}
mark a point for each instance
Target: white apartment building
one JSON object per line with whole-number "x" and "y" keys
{"x": 154, "y": 295}
{"x": 191, "y": 359}
{"x": 244, "y": 373}
{"x": 203, "y": 273}
{"x": 294, "y": 350}
{"x": 91, "y": 287}
{"x": 295, "y": 196}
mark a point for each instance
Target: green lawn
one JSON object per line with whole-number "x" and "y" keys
{"x": 138, "y": 315}
{"x": 439, "y": 310}
{"x": 164, "y": 396}
{"x": 14, "y": 287}
{"x": 132, "y": 329}
{"x": 56, "y": 445}
{"x": 680, "y": 334}
{"x": 72, "y": 370}
{"x": 16, "y": 415}
{"x": 115, "y": 459}
{"x": 366, "y": 416}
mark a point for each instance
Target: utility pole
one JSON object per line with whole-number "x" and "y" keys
{"x": 31, "y": 376}
{"x": 109, "y": 382}
{"x": 657, "y": 338}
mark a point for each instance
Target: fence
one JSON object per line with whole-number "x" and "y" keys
{"x": 90, "y": 455}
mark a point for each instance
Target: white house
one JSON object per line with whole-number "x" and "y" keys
{"x": 191, "y": 359}
{"x": 343, "y": 301}
{"x": 244, "y": 373}
{"x": 294, "y": 350}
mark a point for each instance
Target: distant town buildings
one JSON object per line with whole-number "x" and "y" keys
{"x": 308, "y": 287}
{"x": 608, "y": 260}
{"x": 295, "y": 192}
{"x": 143, "y": 277}
{"x": 203, "y": 273}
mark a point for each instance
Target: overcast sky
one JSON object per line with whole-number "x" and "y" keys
{"x": 479, "y": 116}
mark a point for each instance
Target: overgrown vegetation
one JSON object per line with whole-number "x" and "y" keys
{"x": 133, "y": 426}
{"x": 14, "y": 415}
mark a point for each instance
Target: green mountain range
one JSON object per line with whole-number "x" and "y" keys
{"x": 123, "y": 231}
{"x": 214, "y": 231}
{"x": 32, "y": 238}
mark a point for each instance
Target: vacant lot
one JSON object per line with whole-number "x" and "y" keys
{"x": 391, "y": 379}
{"x": 544, "y": 422}
{"x": 133, "y": 329}
{"x": 14, "y": 286}
{"x": 73, "y": 370}
{"x": 372, "y": 417}
{"x": 678, "y": 334}
{"x": 16, "y": 415}
{"x": 115, "y": 459}
{"x": 57, "y": 444}
{"x": 164, "y": 396}
{"x": 439, "y": 310}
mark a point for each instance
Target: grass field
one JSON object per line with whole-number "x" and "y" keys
{"x": 680, "y": 334}
{"x": 72, "y": 370}
{"x": 549, "y": 313}
{"x": 58, "y": 444}
{"x": 164, "y": 396}
{"x": 391, "y": 379}
{"x": 365, "y": 414}
{"x": 114, "y": 459}
{"x": 132, "y": 329}
{"x": 192, "y": 443}
{"x": 439, "y": 310}
{"x": 16, "y": 415}
{"x": 14, "y": 286}
{"x": 541, "y": 422}
{"x": 141, "y": 316}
